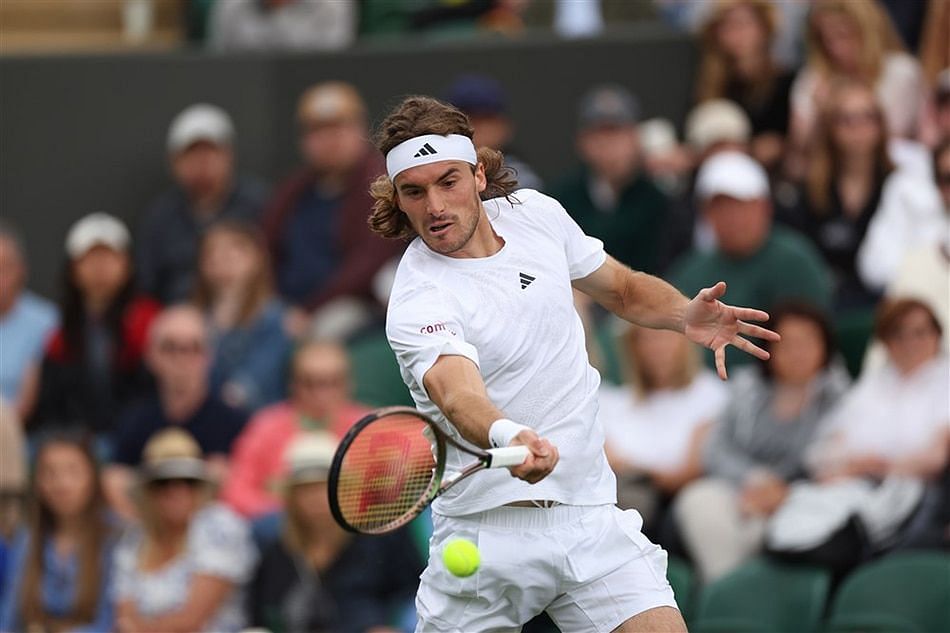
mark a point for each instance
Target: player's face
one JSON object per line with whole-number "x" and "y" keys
{"x": 442, "y": 203}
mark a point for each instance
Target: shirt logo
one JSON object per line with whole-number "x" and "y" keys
{"x": 425, "y": 150}
{"x": 526, "y": 280}
{"x": 434, "y": 328}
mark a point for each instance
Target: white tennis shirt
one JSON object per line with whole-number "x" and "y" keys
{"x": 512, "y": 314}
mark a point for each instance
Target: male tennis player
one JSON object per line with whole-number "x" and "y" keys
{"x": 483, "y": 325}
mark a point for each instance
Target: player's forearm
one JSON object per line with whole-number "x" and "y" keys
{"x": 649, "y": 301}
{"x": 472, "y": 414}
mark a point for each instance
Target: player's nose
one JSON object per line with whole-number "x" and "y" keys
{"x": 434, "y": 203}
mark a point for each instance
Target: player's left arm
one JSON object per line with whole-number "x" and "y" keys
{"x": 651, "y": 302}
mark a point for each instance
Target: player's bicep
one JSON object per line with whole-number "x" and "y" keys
{"x": 606, "y": 285}
{"x": 452, "y": 377}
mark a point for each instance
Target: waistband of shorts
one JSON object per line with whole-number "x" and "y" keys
{"x": 528, "y": 518}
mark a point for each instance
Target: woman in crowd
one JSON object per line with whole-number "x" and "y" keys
{"x": 758, "y": 444}
{"x": 737, "y": 64}
{"x": 93, "y": 364}
{"x": 850, "y": 179}
{"x": 59, "y": 573}
{"x": 896, "y": 419}
{"x": 183, "y": 568}
{"x": 856, "y": 40}
{"x": 235, "y": 291}
{"x": 317, "y": 577}
{"x": 657, "y": 422}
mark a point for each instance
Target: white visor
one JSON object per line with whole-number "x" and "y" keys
{"x": 429, "y": 148}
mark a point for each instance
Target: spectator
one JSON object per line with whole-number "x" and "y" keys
{"x": 910, "y": 218}
{"x": 184, "y": 567}
{"x": 758, "y": 444}
{"x": 485, "y": 103}
{"x": 93, "y": 363}
{"x": 856, "y": 40}
{"x": 325, "y": 255}
{"x": 282, "y": 25}
{"x": 714, "y": 126}
{"x": 895, "y": 419}
{"x": 178, "y": 355}
{"x": 884, "y": 442}
{"x": 319, "y": 400}
{"x": 610, "y": 197}
{"x": 59, "y": 576}
{"x": 206, "y": 189}
{"x": 26, "y": 322}
{"x": 246, "y": 320}
{"x": 657, "y": 422}
{"x": 763, "y": 265}
{"x": 737, "y": 64}
{"x": 850, "y": 179}
{"x": 317, "y": 577}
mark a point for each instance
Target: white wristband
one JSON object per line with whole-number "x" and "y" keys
{"x": 502, "y": 431}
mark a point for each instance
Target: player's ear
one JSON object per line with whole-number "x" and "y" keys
{"x": 481, "y": 182}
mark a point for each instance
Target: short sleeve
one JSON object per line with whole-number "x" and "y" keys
{"x": 585, "y": 254}
{"x": 424, "y": 325}
{"x": 220, "y": 545}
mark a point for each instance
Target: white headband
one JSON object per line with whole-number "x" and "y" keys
{"x": 429, "y": 148}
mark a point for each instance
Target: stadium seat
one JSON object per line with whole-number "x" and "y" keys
{"x": 764, "y": 597}
{"x": 376, "y": 378}
{"x": 902, "y": 593}
{"x": 682, "y": 579}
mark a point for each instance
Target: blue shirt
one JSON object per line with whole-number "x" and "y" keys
{"x": 254, "y": 357}
{"x": 309, "y": 251}
{"x": 58, "y": 586}
{"x": 23, "y": 334}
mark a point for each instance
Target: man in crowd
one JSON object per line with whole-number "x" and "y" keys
{"x": 610, "y": 197}
{"x": 761, "y": 264}
{"x": 325, "y": 256}
{"x": 206, "y": 189}
{"x": 319, "y": 400}
{"x": 178, "y": 356}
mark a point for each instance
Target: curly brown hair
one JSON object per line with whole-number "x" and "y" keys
{"x": 415, "y": 116}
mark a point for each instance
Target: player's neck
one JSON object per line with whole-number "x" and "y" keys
{"x": 484, "y": 242}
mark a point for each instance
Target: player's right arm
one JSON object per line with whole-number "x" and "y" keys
{"x": 456, "y": 387}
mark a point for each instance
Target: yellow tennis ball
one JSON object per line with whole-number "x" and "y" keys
{"x": 461, "y": 557}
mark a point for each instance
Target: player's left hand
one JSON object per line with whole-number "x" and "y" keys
{"x": 713, "y": 324}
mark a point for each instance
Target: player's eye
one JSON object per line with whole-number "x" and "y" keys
{"x": 448, "y": 184}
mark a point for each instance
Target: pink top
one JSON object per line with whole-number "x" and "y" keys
{"x": 257, "y": 459}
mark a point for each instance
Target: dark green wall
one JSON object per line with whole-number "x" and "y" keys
{"x": 81, "y": 134}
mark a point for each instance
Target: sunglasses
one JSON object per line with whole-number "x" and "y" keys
{"x": 164, "y": 484}
{"x": 857, "y": 117}
{"x": 173, "y": 347}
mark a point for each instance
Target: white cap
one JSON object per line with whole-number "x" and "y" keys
{"x": 657, "y": 137}
{"x": 96, "y": 229}
{"x": 199, "y": 122}
{"x": 717, "y": 121}
{"x": 309, "y": 457}
{"x": 732, "y": 174}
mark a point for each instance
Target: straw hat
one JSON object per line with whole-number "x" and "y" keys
{"x": 309, "y": 456}
{"x": 173, "y": 454}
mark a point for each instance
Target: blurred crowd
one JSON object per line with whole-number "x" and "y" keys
{"x": 167, "y": 429}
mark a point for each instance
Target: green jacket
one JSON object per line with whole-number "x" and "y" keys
{"x": 632, "y": 232}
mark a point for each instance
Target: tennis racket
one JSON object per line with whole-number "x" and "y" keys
{"x": 391, "y": 465}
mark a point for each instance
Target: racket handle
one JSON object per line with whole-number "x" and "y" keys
{"x": 508, "y": 456}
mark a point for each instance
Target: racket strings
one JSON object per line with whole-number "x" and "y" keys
{"x": 386, "y": 474}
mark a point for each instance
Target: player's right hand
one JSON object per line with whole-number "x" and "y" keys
{"x": 540, "y": 462}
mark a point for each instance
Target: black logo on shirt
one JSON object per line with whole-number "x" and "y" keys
{"x": 526, "y": 280}
{"x": 425, "y": 150}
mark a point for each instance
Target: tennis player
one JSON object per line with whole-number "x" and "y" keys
{"x": 482, "y": 322}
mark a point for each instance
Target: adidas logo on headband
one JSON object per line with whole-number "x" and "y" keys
{"x": 435, "y": 148}
{"x": 426, "y": 150}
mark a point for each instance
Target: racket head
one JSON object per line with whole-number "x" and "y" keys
{"x": 386, "y": 470}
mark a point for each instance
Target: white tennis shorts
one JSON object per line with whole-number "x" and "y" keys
{"x": 589, "y": 567}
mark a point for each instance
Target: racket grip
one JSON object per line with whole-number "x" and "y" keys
{"x": 508, "y": 456}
